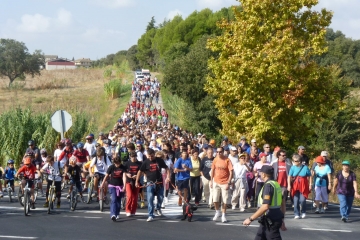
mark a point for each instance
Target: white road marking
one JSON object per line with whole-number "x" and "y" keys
{"x": 81, "y": 217}
{"x": 326, "y": 230}
{"x": 230, "y": 224}
{"x": 17, "y": 237}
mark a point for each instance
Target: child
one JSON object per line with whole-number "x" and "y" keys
{"x": 10, "y": 174}
{"x": 74, "y": 171}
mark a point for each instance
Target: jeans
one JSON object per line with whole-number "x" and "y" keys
{"x": 345, "y": 204}
{"x": 152, "y": 191}
{"x": 115, "y": 202}
{"x": 195, "y": 188}
{"x": 299, "y": 200}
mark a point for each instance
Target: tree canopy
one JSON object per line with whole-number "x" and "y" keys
{"x": 16, "y": 61}
{"x": 265, "y": 79}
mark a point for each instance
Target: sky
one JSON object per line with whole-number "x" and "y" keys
{"x": 95, "y": 28}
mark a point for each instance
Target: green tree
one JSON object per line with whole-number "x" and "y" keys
{"x": 131, "y": 57}
{"x": 145, "y": 53}
{"x": 16, "y": 61}
{"x": 151, "y": 24}
{"x": 265, "y": 80}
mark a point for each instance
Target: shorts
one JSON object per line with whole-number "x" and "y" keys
{"x": 182, "y": 184}
{"x": 11, "y": 182}
{"x": 77, "y": 184}
{"x": 321, "y": 194}
{"x": 220, "y": 190}
{"x": 30, "y": 183}
{"x": 100, "y": 176}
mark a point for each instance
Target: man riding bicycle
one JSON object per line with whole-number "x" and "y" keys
{"x": 74, "y": 171}
{"x": 101, "y": 164}
{"x": 82, "y": 156}
{"x": 29, "y": 170}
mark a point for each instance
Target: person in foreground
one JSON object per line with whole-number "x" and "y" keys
{"x": 271, "y": 208}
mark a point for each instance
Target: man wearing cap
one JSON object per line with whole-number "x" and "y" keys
{"x": 225, "y": 143}
{"x": 253, "y": 144}
{"x": 243, "y": 144}
{"x": 100, "y": 139}
{"x": 304, "y": 157}
{"x": 233, "y": 155}
{"x": 212, "y": 144}
{"x": 271, "y": 208}
{"x": 345, "y": 187}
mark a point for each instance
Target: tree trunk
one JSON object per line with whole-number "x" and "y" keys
{"x": 11, "y": 81}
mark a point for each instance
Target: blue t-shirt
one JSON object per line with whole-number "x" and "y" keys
{"x": 322, "y": 173}
{"x": 9, "y": 173}
{"x": 294, "y": 170}
{"x": 178, "y": 164}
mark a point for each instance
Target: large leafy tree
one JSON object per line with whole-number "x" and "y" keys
{"x": 265, "y": 79}
{"x": 16, "y": 61}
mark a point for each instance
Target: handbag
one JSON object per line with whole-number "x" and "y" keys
{"x": 292, "y": 179}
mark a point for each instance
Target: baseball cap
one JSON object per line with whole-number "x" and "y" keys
{"x": 205, "y": 146}
{"x": 262, "y": 155}
{"x": 199, "y": 134}
{"x": 320, "y": 159}
{"x": 267, "y": 169}
{"x": 225, "y": 138}
{"x": 253, "y": 140}
{"x": 243, "y": 138}
{"x": 101, "y": 134}
{"x": 301, "y": 147}
{"x": 212, "y": 141}
{"x": 232, "y": 148}
{"x": 346, "y": 162}
{"x": 324, "y": 154}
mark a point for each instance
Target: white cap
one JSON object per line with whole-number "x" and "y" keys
{"x": 232, "y": 148}
{"x": 199, "y": 134}
{"x": 253, "y": 140}
{"x": 324, "y": 154}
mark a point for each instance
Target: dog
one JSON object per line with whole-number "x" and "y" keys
{"x": 188, "y": 211}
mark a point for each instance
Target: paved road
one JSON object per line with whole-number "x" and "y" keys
{"x": 87, "y": 222}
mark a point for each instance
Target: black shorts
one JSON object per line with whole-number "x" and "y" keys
{"x": 100, "y": 176}
{"x": 11, "y": 182}
{"x": 182, "y": 184}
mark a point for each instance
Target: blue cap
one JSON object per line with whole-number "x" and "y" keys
{"x": 205, "y": 146}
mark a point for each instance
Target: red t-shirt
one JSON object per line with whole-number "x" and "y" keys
{"x": 29, "y": 172}
{"x": 282, "y": 176}
{"x": 81, "y": 155}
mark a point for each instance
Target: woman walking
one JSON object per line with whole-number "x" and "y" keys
{"x": 240, "y": 184}
{"x": 346, "y": 189}
{"x": 195, "y": 175}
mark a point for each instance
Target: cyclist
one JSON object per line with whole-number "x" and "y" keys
{"x": 33, "y": 150}
{"x": 101, "y": 165}
{"x": 29, "y": 171}
{"x": 88, "y": 172}
{"x": 54, "y": 174}
{"x": 90, "y": 145}
{"x": 74, "y": 171}
{"x": 10, "y": 172}
{"x": 66, "y": 153}
{"x": 82, "y": 156}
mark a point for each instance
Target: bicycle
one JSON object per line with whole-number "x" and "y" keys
{"x": 20, "y": 194}
{"x": 9, "y": 189}
{"x": 51, "y": 196}
{"x": 101, "y": 195}
{"x": 27, "y": 194}
{"x": 36, "y": 188}
{"x": 73, "y": 197}
{"x": 90, "y": 190}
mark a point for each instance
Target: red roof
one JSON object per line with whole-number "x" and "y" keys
{"x": 61, "y": 63}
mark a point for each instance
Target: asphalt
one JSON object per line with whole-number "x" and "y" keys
{"x": 87, "y": 222}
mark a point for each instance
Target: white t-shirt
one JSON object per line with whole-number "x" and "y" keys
{"x": 233, "y": 160}
{"x": 90, "y": 147}
{"x": 168, "y": 163}
{"x": 101, "y": 166}
{"x": 53, "y": 171}
{"x": 239, "y": 171}
{"x": 57, "y": 153}
{"x": 140, "y": 156}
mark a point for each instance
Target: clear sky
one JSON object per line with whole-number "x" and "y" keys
{"x": 95, "y": 28}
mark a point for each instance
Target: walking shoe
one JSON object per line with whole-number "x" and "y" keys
{"x": 249, "y": 204}
{"x": 303, "y": 215}
{"x": 322, "y": 210}
{"x": 68, "y": 196}
{"x": 163, "y": 205}
{"x": 113, "y": 217}
{"x": 233, "y": 207}
{"x": 46, "y": 204}
{"x": 317, "y": 210}
{"x": 58, "y": 205}
{"x": 223, "y": 219}
{"x": 314, "y": 204}
{"x": 117, "y": 217}
{"x": 158, "y": 212}
{"x": 94, "y": 194}
{"x": 166, "y": 200}
{"x": 326, "y": 208}
{"x": 150, "y": 219}
{"x": 242, "y": 209}
{"x": 33, "y": 206}
{"x": 128, "y": 214}
{"x": 217, "y": 214}
{"x": 296, "y": 217}
{"x": 142, "y": 205}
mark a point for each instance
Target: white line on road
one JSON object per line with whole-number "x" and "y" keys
{"x": 81, "y": 217}
{"x": 3, "y": 236}
{"x": 326, "y": 230}
{"x": 230, "y": 224}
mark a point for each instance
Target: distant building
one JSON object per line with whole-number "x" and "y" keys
{"x": 50, "y": 57}
{"x": 59, "y": 64}
{"x": 83, "y": 62}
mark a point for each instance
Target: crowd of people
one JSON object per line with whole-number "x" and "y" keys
{"x": 145, "y": 153}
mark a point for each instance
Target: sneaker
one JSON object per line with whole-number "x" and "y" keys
{"x": 233, "y": 207}
{"x": 68, "y": 196}
{"x": 249, "y": 204}
{"x": 158, "y": 212}
{"x": 303, "y": 215}
{"x": 166, "y": 200}
{"x": 128, "y": 214}
{"x": 113, "y": 217}
{"x": 163, "y": 205}
{"x": 58, "y": 205}
{"x": 317, "y": 210}
{"x": 242, "y": 209}
{"x": 117, "y": 217}
{"x": 314, "y": 204}
{"x": 217, "y": 214}
{"x": 296, "y": 217}
{"x": 204, "y": 201}
{"x": 326, "y": 208}
{"x": 142, "y": 205}
{"x": 33, "y": 206}
{"x": 94, "y": 194}
{"x": 322, "y": 210}
{"x": 46, "y": 204}
{"x": 223, "y": 219}
{"x": 150, "y": 219}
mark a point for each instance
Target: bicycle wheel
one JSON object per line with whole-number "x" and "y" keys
{"x": 10, "y": 194}
{"x": 36, "y": 192}
{"x": 90, "y": 191}
{"x": 101, "y": 199}
{"x": 73, "y": 199}
{"x": 20, "y": 197}
{"x": 50, "y": 200}
{"x": 26, "y": 202}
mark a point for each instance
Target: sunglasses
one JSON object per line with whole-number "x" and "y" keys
{"x": 283, "y": 155}
{"x": 296, "y": 161}
{"x": 219, "y": 151}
